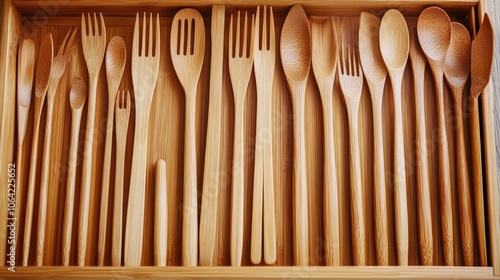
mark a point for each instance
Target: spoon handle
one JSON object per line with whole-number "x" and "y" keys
{"x": 160, "y": 254}
{"x": 477, "y": 178}
{"x": 301, "y": 226}
{"x": 258, "y": 182}
{"x": 70, "y": 187}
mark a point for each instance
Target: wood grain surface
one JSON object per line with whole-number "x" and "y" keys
{"x": 166, "y": 130}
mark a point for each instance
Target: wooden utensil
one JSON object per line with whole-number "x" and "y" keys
{"x": 93, "y": 46}
{"x": 43, "y": 69}
{"x": 240, "y": 69}
{"x": 456, "y": 71}
{"x": 77, "y": 97}
{"x": 187, "y": 59}
{"x": 211, "y": 185}
{"x": 116, "y": 56}
{"x": 324, "y": 63}
{"x": 25, "y": 71}
{"x": 482, "y": 51}
{"x": 161, "y": 214}
{"x": 145, "y": 68}
{"x": 296, "y": 60}
{"x": 57, "y": 70}
{"x": 122, "y": 110}
{"x": 434, "y": 35}
{"x": 351, "y": 83}
{"x": 375, "y": 73}
{"x": 418, "y": 63}
{"x": 263, "y": 188}
{"x": 394, "y": 47}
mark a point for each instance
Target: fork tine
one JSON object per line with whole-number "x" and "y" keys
{"x": 264, "y": 29}
{"x": 135, "y": 39}
{"x": 271, "y": 30}
{"x": 96, "y": 27}
{"x": 84, "y": 28}
{"x": 231, "y": 53}
{"x": 63, "y": 44}
{"x": 103, "y": 25}
{"x": 69, "y": 47}
{"x": 129, "y": 103}
{"x": 89, "y": 21}
{"x": 157, "y": 43}
{"x": 257, "y": 29}
{"x": 237, "y": 42}
{"x": 252, "y": 34}
{"x": 190, "y": 31}
{"x": 245, "y": 34}
{"x": 143, "y": 46}
{"x": 150, "y": 45}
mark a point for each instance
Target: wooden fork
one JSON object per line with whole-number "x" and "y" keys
{"x": 93, "y": 46}
{"x": 240, "y": 69}
{"x": 351, "y": 82}
{"x": 122, "y": 112}
{"x": 144, "y": 75}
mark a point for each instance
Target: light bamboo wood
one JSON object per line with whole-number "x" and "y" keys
{"x": 351, "y": 83}
{"x": 57, "y": 70}
{"x": 25, "y": 68}
{"x": 187, "y": 59}
{"x": 295, "y": 48}
{"x": 123, "y": 107}
{"x": 426, "y": 240}
{"x": 240, "y": 60}
{"x": 93, "y": 46}
{"x": 211, "y": 175}
{"x": 161, "y": 215}
{"x": 434, "y": 35}
{"x": 145, "y": 67}
{"x": 375, "y": 72}
{"x": 116, "y": 56}
{"x": 43, "y": 70}
{"x": 482, "y": 50}
{"x": 77, "y": 97}
{"x": 456, "y": 70}
{"x": 395, "y": 47}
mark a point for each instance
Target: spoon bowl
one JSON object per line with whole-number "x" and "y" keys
{"x": 77, "y": 94}
{"x": 434, "y": 33}
{"x": 324, "y": 47}
{"x": 482, "y": 57}
{"x": 369, "y": 49}
{"x": 457, "y": 61}
{"x": 394, "y": 40}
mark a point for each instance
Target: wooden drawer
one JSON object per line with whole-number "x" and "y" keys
{"x": 28, "y": 18}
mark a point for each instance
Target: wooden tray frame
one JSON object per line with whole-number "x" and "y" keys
{"x": 11, "y": 22}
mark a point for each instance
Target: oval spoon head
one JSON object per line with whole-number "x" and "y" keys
{"x": 26, "y": 66}
{"x": 457, "y": 61}
{"x": 324, "y": 47}
{"x": 78, "y": 93}
{"x": 394, "y": 40}
{"x": 296, "y": 45}
{"x": 482, "y": 57}
{"x": 369, "y": 48}
{"x": 116, "y": 57}
{"x": 434, "y": 33}
{"x": 44, "y": 66}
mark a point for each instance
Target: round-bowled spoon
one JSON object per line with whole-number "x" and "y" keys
{"x": 456, "y": 70}
{"x": 481, "y": 65}
{"x": 324, "y": 62}
{"x": 375, "y": 73}
{"x": 77, "y": 97}
{"x": 116, "y": 56}
{"x": 43, "y": 68}
{"x": 295, "y": 48}
{"x": 434, "y": 35}
{"x": 395, "y": 47}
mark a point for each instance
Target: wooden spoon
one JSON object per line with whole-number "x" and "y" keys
{"x": 324, "y": 62}
{"x": 43, "y": 68}
{"x": 418, "y": 63}
{"x": 26, "y": 66}
{"x": 456, "y": 71}
{"x": 395, "y": 46}
{"x": 77, "y": 97}
{"x": 481, "y": 65}
{"x": 116, "y": 56}
{"x": 434, "y": 35}
{"x": 296, "y": 60}
{"x": 375, "y": 73}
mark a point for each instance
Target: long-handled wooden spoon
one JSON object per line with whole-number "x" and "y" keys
{"x": 43, "y": 69}
{"x": 116, "y": 56}
{"x": 482, "y": 51}
{"x": 456, "y": 71}
{"x": 395, "y": 46}
{"x": 187, "y": 58}
{"x": 418, "y": 63}
{"x": 324, "y": 63}
{"x": 77, "y": 97}
{"x": 296, "y": 60}
{"x": 434, "y": 35}
{"x": 375, "y": 73}
{"x": 25, "y": 68}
